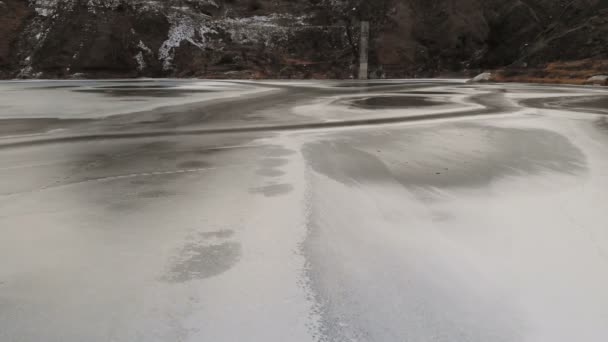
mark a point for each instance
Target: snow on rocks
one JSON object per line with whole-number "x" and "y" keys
{"x": 190, "y": 26}
{"x": 183, "y": 28}
{"x": 199, "y": 30}
{"x": 264, "y": 29}
{"x": 141, "y": 62}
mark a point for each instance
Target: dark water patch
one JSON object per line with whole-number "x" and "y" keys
{"x": 199, "y": 261}
{"x": 131, "y": 100}
{"x": 254, "y": 118}
{"x": 169, "y": 156}
{"x": 344, "y": 163}
{"x": 158, "y": 146}
{"x": 145, "y": 92}
{"x": 140, "y": 182}
{"x": 245, "y": 129}
{"x": 540, "y": 89}
{"x": 270, "y": 172}
{"x": 387, "y": 102}
{"x": 272, "y": 190}
{"x": 273, "y": 162}
{"x": 193, "y": 164}
{"x": 278, "y": 151}
{"x": 143, "y": 86}
{"x": 206, "y": 152}
{"x": 365, "y": 84}
{"x": 597, "y": 104}
{"x": 152, "y": 194}
{"x": 602, "y": 123}
{"x": 220, "y": 234}
{"x": 430, "y": 93}
{"x": 466, "y": 156}
{"x": 54, "y": 87}
{"x": 13, "y": 127}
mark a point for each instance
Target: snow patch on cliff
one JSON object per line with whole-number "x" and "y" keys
{"x": 183, "y": 29}
{"x": 266, "y": 29}
{"x": 141, "y": 63}
{"x": 143, "y": 47}
{"x": 48, "y": 8}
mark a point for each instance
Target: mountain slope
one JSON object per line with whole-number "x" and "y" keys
{"x": 286, "y": 38}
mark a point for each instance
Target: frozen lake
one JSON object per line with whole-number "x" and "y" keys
{"x": 427, "y": 210}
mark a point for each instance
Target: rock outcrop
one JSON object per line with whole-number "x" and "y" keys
{"x": 598, "y": 80}
{"x": 481, "y": 78}
{"x": 292, "y": 39}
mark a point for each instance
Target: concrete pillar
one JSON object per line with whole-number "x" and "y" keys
{"x": 364, "y": 50}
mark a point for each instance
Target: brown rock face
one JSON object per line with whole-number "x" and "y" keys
{"x": 292, "y": 39}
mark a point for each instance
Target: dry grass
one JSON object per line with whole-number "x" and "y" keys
{"x": 295, "y": 61}
{"x": 570, "y": 72}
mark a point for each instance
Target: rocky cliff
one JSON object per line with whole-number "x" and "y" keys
{"x": 292, "y": 38}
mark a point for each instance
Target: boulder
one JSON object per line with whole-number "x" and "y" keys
{"x": 481, "y": 78}
{"x": 598, "y": 80}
